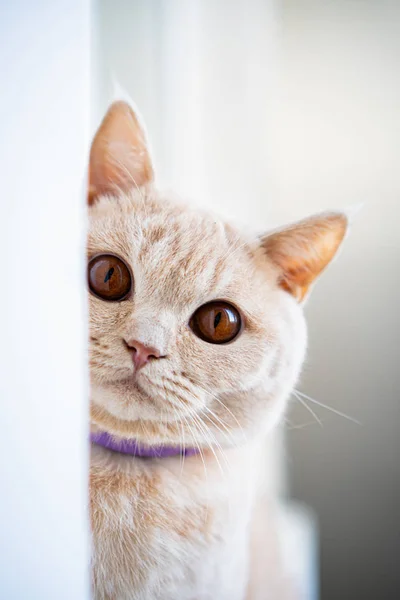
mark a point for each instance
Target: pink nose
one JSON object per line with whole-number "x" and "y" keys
{"x": 141, "y": 354}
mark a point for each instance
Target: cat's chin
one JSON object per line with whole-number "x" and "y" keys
{"x": 125, "y": 410}
{"x": 131, "y": 400}
{"x": 145, "y": 430}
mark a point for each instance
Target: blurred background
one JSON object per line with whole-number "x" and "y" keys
{"x": 268, "y": 111}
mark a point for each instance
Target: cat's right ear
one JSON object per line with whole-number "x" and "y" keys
{"x": 119, "y": 156}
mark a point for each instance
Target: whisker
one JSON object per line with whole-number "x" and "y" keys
{"x": 228, "y": 435}
{"x": 231, "y": 413}
{"x": 308, "y": 408}
{"x": 203, "y": 461}
{"x": 193, "y": 413}
{"x": 223, "y": 456}
{"x": 182, "y": 447}
{"x": 334, "y": 410}
{"x": 206, "y": 430}
{"x": 181, "y": 440}
{"x": 207, "y": 433}
{"x": 220, "y": 449}
{"x": 214, "y": 397}
{"x": 300, "y": 426}
{"x": 171, "y": 395}
{"x": 194, "y": 437}
{"x": 179, "y": 383}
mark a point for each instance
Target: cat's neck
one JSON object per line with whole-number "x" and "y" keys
{"x": 133, "y": 447}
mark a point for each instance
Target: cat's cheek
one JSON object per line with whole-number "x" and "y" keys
{"x": 229, "y": 367}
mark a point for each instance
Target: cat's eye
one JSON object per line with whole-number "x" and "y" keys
{"x": 216, "y": 322}
{"x": 109, "y": 278}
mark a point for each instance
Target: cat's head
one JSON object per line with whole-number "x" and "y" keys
{"x": 196, "y": 328}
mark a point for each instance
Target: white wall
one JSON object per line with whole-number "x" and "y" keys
{"x": 203, "y": 77}
{"x": 339, "y": 125}
{"x": 44, "y": 65}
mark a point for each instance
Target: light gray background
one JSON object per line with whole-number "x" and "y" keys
{"x": 341, "y": 144}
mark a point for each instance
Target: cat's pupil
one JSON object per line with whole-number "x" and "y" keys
{"x": 217, "y": 320}
{"x": 109, "y": 275}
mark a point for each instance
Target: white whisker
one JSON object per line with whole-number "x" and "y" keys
{"x": 206, "y": 433}
{"x": 227, "y": 433}
{"x": 334, "y": 410}
{"x": 181, "y": 440}
{"x": 308, "y": 408}
{"x": 197, "y": 445}
{"x": 214, "y": 397}
{"x": 300, "y": 425}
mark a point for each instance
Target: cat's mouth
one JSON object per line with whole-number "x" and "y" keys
{"x": 146, "y": 398}
{"x": 133, "y": 447}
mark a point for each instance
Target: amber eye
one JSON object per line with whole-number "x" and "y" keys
{"x": 109, "y": 277}
{"x": 216, "y": 322}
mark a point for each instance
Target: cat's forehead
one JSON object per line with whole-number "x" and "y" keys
{"x": 178, "y": 256}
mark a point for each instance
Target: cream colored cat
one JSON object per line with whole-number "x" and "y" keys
{"x": 197, "y": 338}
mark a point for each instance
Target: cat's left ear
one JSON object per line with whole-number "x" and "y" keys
{"x": 301, "y": 251}
{"x": 119, "y": 156}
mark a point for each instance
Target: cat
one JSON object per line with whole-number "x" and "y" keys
{"x": 197, "y": 338}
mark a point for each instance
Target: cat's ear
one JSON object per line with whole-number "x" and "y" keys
{"x": 303, "y": 250}
{"x": 119, "y": 156}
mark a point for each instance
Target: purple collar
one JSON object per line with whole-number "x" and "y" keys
{"x": 135, "y": 448}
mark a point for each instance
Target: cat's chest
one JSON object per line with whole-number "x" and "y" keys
{"x": 169, "y": 531}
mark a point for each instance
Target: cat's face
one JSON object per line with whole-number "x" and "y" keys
{"x": 196, "y": 333}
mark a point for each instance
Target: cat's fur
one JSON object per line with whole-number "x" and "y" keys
{"x": 173, "y": 529}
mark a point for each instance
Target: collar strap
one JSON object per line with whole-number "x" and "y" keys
{"x": 135, "y": 448}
